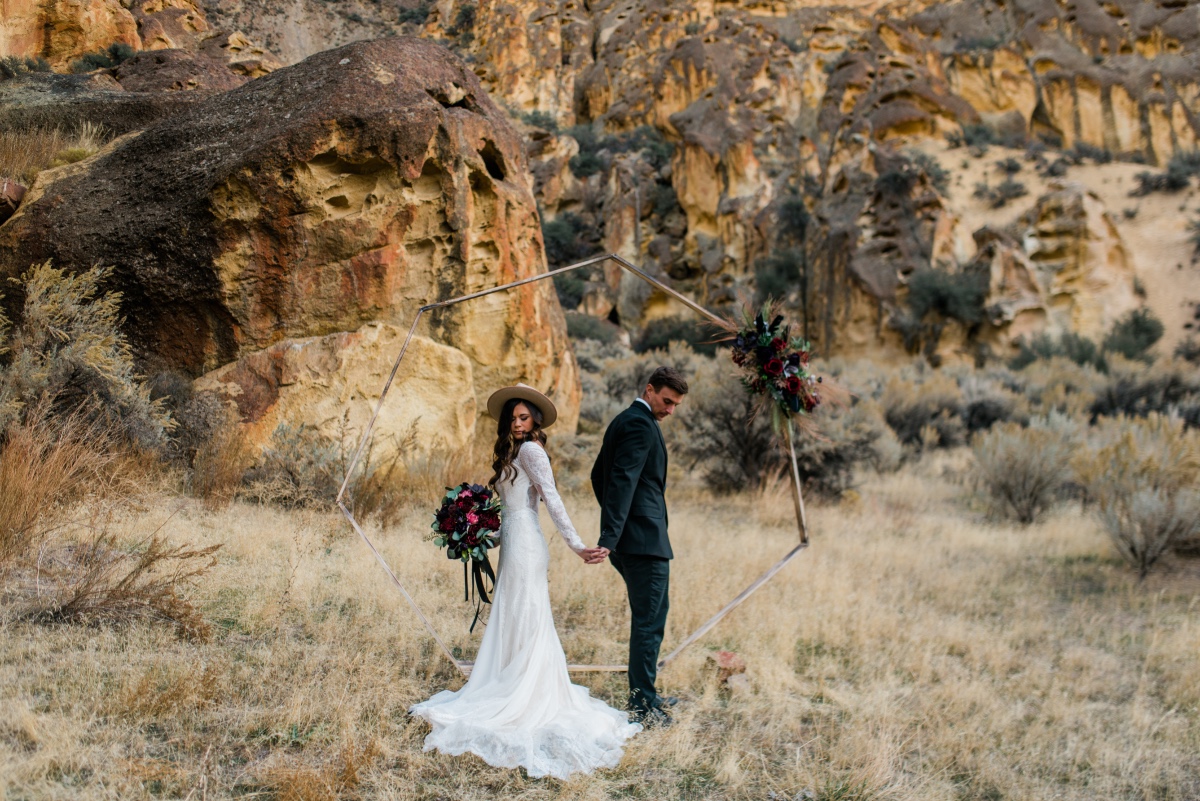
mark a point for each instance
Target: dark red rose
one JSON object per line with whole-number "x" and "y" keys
{"x": 778, "y": 344}
{"x": 773, "y": 367}
{"x": 810, "y": 402}
{"x": 793, "y": 384}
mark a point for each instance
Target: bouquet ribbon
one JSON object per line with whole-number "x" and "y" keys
{"x": 479, "y": 569}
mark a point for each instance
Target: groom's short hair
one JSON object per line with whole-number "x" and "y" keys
{"x": 668, "y": 377}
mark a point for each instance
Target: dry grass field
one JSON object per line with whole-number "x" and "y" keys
{"x": 915, "y": 651}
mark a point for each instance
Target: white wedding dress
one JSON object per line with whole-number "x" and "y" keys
{"x": 519, "y": 707}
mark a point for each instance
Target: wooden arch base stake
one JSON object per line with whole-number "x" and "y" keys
{"x": 465, "y": 667}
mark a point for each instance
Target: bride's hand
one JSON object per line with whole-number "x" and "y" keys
{"x": 593, "y": 556}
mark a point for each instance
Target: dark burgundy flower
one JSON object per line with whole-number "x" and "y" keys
{"x": 810, "y": 402}
{"x": 446, "y": 525}
{"x": 793, "y": 384}
{"x": 471, "y": 540}
{"x": 764, "y": 353}
{"x": 739, "y": 358}
{"x": 773, "y": 367}
{"x": 778, "y": 344}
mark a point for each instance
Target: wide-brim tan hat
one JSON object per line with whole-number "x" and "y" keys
{"x": 496, "y": 402}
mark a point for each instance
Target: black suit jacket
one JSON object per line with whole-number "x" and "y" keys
{"x": 629, "y": 479}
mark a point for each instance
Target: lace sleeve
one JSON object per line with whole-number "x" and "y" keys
{"x": 536, "y": 464}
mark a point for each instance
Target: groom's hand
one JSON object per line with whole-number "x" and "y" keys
{"x": 594, "y": 556}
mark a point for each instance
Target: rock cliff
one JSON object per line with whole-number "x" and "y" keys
{"x": 687, "y": 134}
{"x": 378, "y": 177}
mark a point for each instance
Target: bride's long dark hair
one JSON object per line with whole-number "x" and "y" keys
{"x": 507, "y": 446}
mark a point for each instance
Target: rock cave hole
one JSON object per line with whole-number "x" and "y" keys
{"x": 454, "y": 97}
{"x": 493, "y": 160}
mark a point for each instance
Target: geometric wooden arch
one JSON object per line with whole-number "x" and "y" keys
{"x": 465, "y": 666}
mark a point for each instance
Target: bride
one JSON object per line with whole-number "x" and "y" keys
{"x": 519, "y": 707}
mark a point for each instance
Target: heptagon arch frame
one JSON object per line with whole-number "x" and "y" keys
{"x": 463, "y": 666}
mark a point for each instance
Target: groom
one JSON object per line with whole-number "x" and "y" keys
{"x": 629, "y": 478}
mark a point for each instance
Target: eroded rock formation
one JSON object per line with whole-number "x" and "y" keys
{"x": 351, "y": 188}
{"x": 332, "y": 383}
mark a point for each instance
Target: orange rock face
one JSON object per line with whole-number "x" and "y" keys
{"x": 356, "y": 186}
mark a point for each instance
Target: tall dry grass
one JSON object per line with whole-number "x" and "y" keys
{"x": 915, "y": 651}
{"x": 25, "y": 152}
{"x": 46, "y": 467}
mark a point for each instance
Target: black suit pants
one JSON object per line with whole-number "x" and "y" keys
{"x": 646, "y": 582}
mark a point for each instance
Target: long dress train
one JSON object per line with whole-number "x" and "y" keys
{"x": 519, "y": 707}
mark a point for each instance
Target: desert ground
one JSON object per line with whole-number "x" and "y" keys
{"x": 917, "y": 650}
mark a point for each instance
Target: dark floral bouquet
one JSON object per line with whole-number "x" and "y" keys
{"x": 467, "y": 525}
{"x": 774, "y": 366}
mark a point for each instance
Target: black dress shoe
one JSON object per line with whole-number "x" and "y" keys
{"x": 666, "y": 701}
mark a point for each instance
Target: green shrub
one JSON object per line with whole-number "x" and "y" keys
{"x": 68, "y": 353}
{"x": 982, "y": 412}
{"x": 1009, "y": 166}
{"x": 1135, "y": 390}
{"x": 1142, "y": 477}
{"x": 1178, "y": 176}
{"x": 417, "y": 15}
{"x": 1023, "y": 470}
{"x": 14, "y": 66}
{"x": 956, "y": 296}
{"x": 594, "y": 148}
{"x": 586, "y": 164}
{"x": 542, "y": 119}
{"x": 778, "y": 274}
{"x": 1188, "y": 350}
{"x": 979, "y": 135}
{"x": 731, "y": 448}
{"x": 661, "y": 332}
{"x": 924, "y": 413}
{"x": 937, "y": 175}
{"x": 793, "y": 219}
{"x": 847, "y": 439}
{"x": 112, "y": 56}
{"x": 298, "y": 467}
{"x": 1083, "y": 150}
{"x": 584, "y": 326}
{"x": 1134, "y": 334}
{"x": 1078, "y": 349}
{"x": 999, "y": 196}
{"x": 735, "y": 449}
{"x": 464, "y": 23}
{"x": 564, "y": 238}
{"x": 663, "y": 200}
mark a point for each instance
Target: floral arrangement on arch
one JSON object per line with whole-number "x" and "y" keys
{"x": 774, "y": 366}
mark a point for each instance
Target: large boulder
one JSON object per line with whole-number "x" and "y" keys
{"x": 332, "y": 383}
{"x": 355, "y": 186}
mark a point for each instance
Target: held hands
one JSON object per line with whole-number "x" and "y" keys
{"x": 593, "y": 556}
